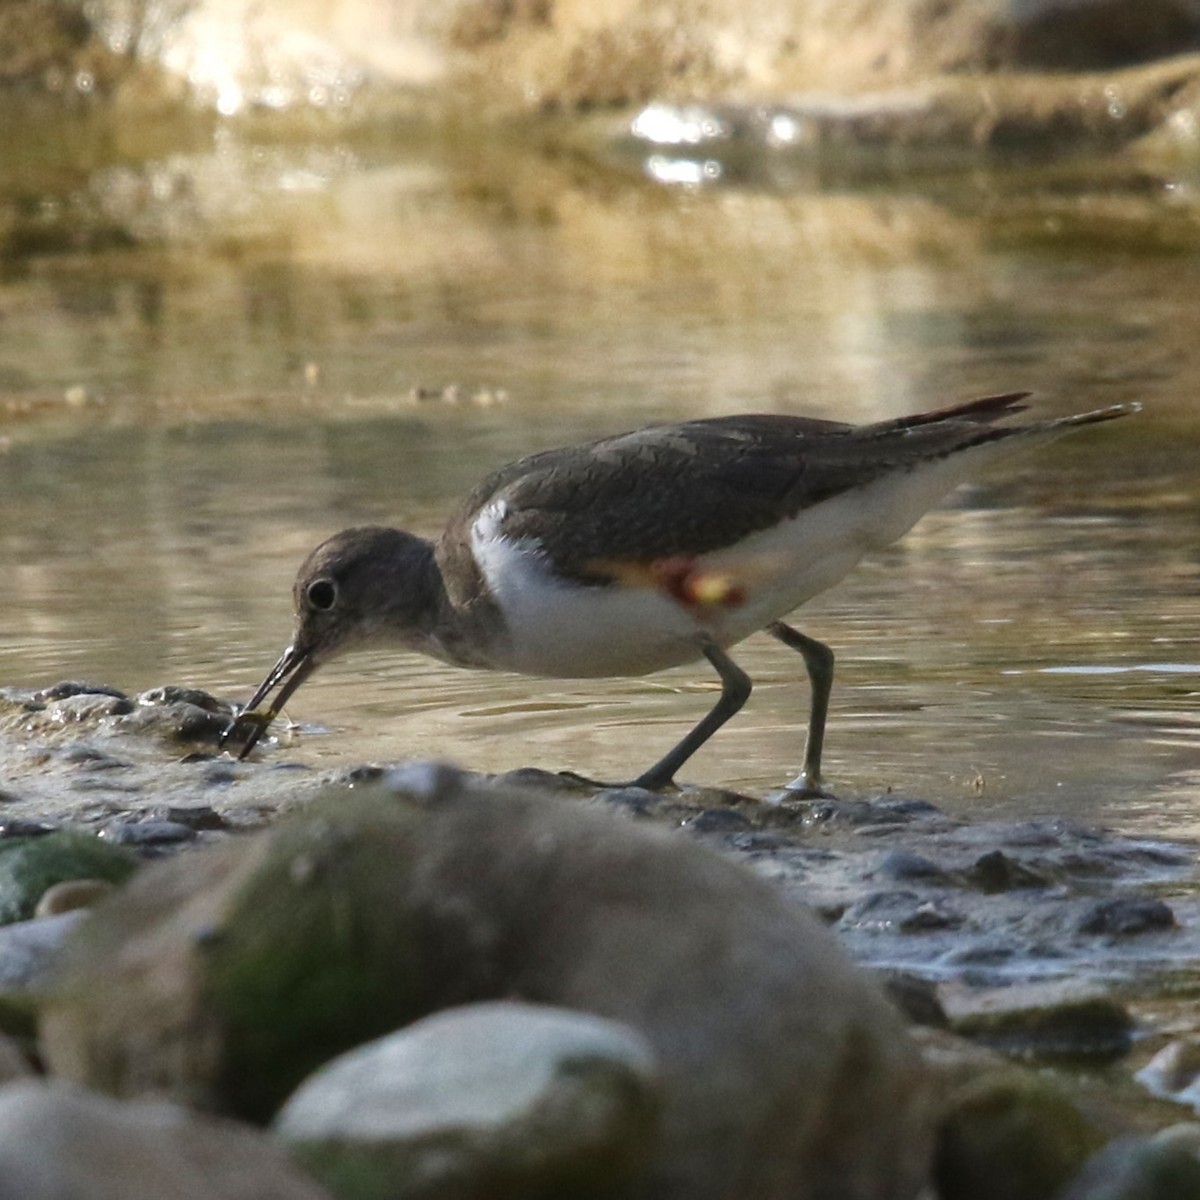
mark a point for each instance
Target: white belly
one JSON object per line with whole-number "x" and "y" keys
{"x": 567, "y": 631}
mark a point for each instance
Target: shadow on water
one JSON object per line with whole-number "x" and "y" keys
{"x": 209, "y": 361}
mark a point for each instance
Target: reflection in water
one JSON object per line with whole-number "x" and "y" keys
{"x": 243, "y": 388}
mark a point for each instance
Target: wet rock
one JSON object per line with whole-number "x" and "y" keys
{"x": 632, "y": 801}
{"x": 229, "y": 975}
{"x": 901, "y": 865}
{"x": 18, "y": 827}
{"x": 143, "y": 834}
{"x": 88, "y": 758}
{"x": 717, "y": 820}
{"x": 915, "y": 997}
{"x": 30, "y": 950}
{"x": 71, "y": 895}
{"x": 1127, "y": 916}
{"x": 87, "y": 707}
{"x": 1010, "y": 1136}
{"x": 987, "y": 952}
{"x": 996, "y": 871}
{"x": 487, "y": 1100}
{"x": 1047, "y": 1022}
{"x": 900, "y": 911}
{"x": 109, "y": 787}
{"x": 18, "y": 701}
{"x": 882, "y": 810}
{"x": 177, "y": 722}
{"x": 62, "y": 1143}
{"x": 200, "y": 817}
{"x": 929, "y": 916}
{"x": 69, "y": 688}
{"x": 534, "y": 778}
{"x": 763, "y": 841}
{"x": 219, "y": 774}
{"x": 172, "y": 694}
{"x": 1174, "y": 1072}
{"x": 28, "y": 867}
{"x": 1138, "y": 1169}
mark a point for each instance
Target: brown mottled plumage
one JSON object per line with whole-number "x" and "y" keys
{"x": 632, "y": 553}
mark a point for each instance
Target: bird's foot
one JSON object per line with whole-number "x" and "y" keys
{"x": 803, "y": 787}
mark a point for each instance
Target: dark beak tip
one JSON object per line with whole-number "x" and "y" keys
{"x": 245, "y": 726}
{"x": 295, "y": 665}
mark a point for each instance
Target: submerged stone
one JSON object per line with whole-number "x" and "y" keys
{"x": 1125, "y": 916}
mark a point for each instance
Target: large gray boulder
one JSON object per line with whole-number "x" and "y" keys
{"x": 226, "y": 977}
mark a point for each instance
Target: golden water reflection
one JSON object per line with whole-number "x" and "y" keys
{"x": 185, "y": 411}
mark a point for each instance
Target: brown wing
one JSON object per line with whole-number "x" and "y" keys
{"x": 695, "y": 487}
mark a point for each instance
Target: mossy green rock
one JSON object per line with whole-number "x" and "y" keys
{"x": 225, "y": 977}
{"x": 1011, "y": 1135}
{"x": 494, "y": 1101}
{"x": 29, "y": 866}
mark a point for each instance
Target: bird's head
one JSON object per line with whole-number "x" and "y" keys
{"x": 362, "y": 587}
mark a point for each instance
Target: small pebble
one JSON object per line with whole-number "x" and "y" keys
{"x": 72, "y": 894}
{"x": 1174, "y": 1072}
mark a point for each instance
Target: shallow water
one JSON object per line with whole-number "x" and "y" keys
{"x": 207, "y": 364}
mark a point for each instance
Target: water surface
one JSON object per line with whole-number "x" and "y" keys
{"x": 231, "y": 372}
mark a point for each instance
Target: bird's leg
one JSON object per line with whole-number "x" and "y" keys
{"x": 818, "y": 661}
{"x": 735, "y": 690}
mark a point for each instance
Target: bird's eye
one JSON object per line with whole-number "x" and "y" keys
{"x": 321, "y": 594}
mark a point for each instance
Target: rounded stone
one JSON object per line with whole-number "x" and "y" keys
{"x": 72, "y": 894}
{"x": 227, "y": 977}
{"x": 58, "y": 1141}
{"x": 496, "y": 1099}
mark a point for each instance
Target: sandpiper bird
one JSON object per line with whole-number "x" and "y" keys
{"x": 647, "y": 550}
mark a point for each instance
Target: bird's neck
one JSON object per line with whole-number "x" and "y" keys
{"x": 462, "y": 622}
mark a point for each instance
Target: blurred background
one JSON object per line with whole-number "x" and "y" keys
{"x": 269, "y": 269}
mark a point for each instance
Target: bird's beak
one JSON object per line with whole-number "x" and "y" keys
{"x": 295, "y": 665}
